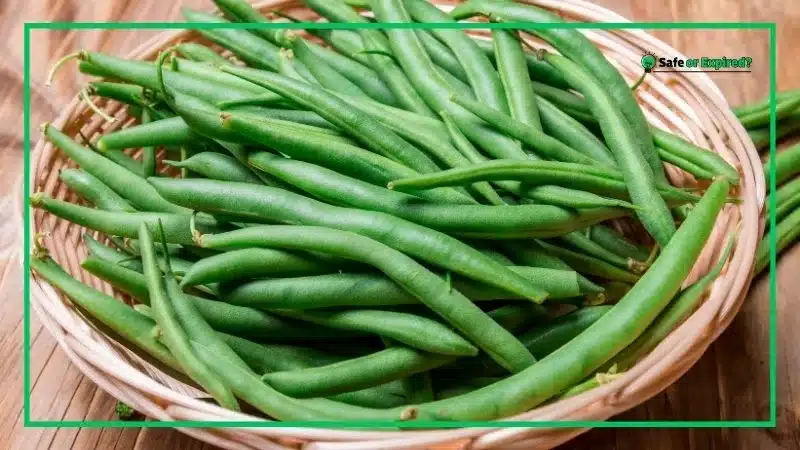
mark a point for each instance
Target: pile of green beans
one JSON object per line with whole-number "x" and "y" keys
{"x": 392, "y": 224}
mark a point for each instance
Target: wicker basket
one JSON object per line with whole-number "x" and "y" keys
{"x": 689, "y": 105}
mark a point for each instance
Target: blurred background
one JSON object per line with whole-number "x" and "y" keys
{"x": 729, "y": 383}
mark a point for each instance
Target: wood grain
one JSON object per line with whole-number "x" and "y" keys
{"x": 730, "y": 381}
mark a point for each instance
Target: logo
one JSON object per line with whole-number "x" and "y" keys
{"x": 652, "y": 63}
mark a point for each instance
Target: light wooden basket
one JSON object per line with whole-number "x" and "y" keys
{"x": 689, "y": 104}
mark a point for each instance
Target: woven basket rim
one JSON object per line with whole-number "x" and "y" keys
{"x": 699, "y": 98}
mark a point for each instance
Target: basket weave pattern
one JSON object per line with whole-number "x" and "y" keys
{"x": 690, "y": 105}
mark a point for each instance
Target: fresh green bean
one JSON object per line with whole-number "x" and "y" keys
{"x": 472, "y": 220}
{"x": 410, "y": 329}
{"x": 256, "y": 263}
{"x": 434, "y": 89}
{"x": 430, "y": 289}
{"x": 513, "y": 69}
{"x": 118, "y": 223}
{"x": 93, "y": 190}
{"x": 118, "y": 317}
{"x": 200, "y": 53}
{"x": 600, "y": 342}
{"x": 170, "y": 331}
{"x": 586, "y": 56}
{"x": 537, "y": 69}
{"x": 571, "y": 132}
{"x": 786, "y": 232}
{"x": 584, "y": 244}
{"x": 628, "y": 148}
{"x": 217, "y": 166}
{"x": 590, "y": 265}
{"x": 599, "y": 180}
{"x": 120, "y": 158}
{"x": 369, "y": 131}
{"x": 679, "y": 309}
{"x": 271, "y": 357}
{"x": 570, "y": 198}
{"x": 172, "y": 131}
{"x": 375, "y": 42}
{"x": 615, "y": 242}
{"x": 761, "y": 118}
{"x": 223, "y": 317}
{"x": 485, "y": 81}
{"x": 149, "y": 152}
{"x": 787, "y": 199}
{"x": 129, "y": 94}
{"x": 747, "y": 109}
{"x": 787, "y": 165}
{"x": 109, "y": 254}
{"x": 129, "y": 186}
{"x": 786, "y": 127}
{"x": 441, "y": 55}
{"x": 545, "y": 145}
{"x": 341, "y": 157}
{"x": 241, "y": 11}
{"x": 701, "y": 157}
{"x": 327, "y": 76}
{"x": 373, "y": 290}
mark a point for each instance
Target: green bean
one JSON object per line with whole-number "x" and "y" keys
{"x": 217, "y": 166}
{"x": 679, "y": 309}
{"x": 200, "y": 53}
{"x": 324, "y": 73}
{"x": 541, "y": 340}
{"x": 628, "y": 149}
{"x": 584, "y": 244}
{"x": 172, "y": 131}
{"x": 434, "y": 89}
{"x": 570, "y": 198}
{"x": 701, "y": 157}
{"x": 126, "y": 93}
{"x": 545, "y": 145}
{"x": 747, "y": 109}
{"x": 787, "y": 199}
{"x": 441, "y": 55}
{"x": 381, "y": 367}
{"x": 120, "y": 158}
{"x": 232, "y": 319}
{"x": 590, "y": 265}
{"x": 430, "y": 289}
{"x": 109, "y": 254}
{"x": 786, "y": 232}
{"x": 373, "y": 290}
{"x": 362, "y": 76}
{"x": 473, "y": 220}
{"x": 599, "y": 180}
{"x": 513, "y": 69}
{"x": 118, "y": 223}
{"x": 251, "y": 49}
{"x": 115, "y": 315}
{"x": 574, "y": 134}
{"x": 518, "y": 316}
{"x": 484, "y": 80}
{"x": 241, "y": 11}
{"x": 375, "y": 42}
{"x": 271, "y": 357}
{"x": 149, "y": 152}
{"x": 410, "y": 329}
{"x": 256, "y": 263}
{"x": 787, "y": 165}
{"x": 574, "y": 45}
{"x": 145, "y": 74}
{"x": 170, "y": 331}
{"x": 306, "y": 121}
{"x": 368, "y": 130}
{"x": 761, "y": 118}
{"x": 129, "y": 186}
{"x": 537, "y": 69}
{"x": 687, "y": 166}
{"x": 786, "y": 127}
{"x": 341, "y": 157}
{"x": 615, "y": 242}
{"x": 93, "y": 190}
{"x": 600, "y": 342}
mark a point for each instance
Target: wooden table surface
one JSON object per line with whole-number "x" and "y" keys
{"x": 729, "y": 383}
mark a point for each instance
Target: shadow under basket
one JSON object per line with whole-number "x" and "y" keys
{"x": 689, "y": 105}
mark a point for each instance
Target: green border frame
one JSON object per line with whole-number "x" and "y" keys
{"x": 773, "y": 330}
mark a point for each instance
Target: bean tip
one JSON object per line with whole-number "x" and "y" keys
{"x": 409, "y": 413}
{"x": 37, "y": 199}
{"x": 390, "y": 185}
